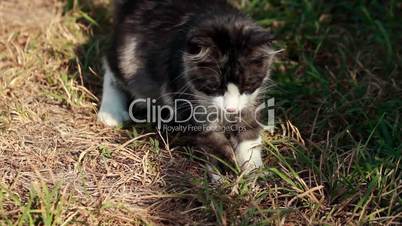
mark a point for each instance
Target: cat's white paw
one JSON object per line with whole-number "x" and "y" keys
{"x": 113, "y": 111}
{"x": 113, "y": 117}
{"x": 248, "y": 154}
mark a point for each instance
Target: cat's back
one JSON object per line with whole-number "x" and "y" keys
{"x": 165, "y": 15}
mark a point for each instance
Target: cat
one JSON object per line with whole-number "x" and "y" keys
{"x": 204, "y": 51}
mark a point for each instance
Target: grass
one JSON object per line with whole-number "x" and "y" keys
{"x": 333, "y": 160}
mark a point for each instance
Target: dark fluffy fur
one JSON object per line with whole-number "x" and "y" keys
{"x": 169, "y": 36}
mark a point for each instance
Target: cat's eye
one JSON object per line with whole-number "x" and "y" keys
{"x": 211, "y": 89}
{"x": 257, "y": 61}
{"x": 208, "y": 85}
{"x": 194, "y": 48}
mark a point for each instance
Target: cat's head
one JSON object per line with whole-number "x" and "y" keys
{"x": 228, "y": 60}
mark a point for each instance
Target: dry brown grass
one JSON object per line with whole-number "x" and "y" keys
{"x": 46, "y": 140}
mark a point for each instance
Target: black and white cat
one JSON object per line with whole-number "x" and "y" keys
{"x": 204, "y": 51}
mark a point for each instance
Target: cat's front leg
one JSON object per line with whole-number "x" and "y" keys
{"x": 248, "y": 154}
{"x": 113, "y": 111}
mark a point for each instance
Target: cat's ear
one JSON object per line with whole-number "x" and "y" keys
{"x": 262, "y": 52}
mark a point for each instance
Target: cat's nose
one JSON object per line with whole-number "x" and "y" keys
{"x": 231, "y": 109}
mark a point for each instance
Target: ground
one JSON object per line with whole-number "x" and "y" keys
{"x": 334, "y": 158}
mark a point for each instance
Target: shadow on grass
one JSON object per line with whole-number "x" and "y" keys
{"x": 95, "y": 18}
